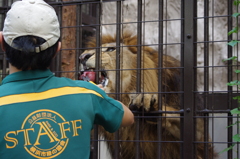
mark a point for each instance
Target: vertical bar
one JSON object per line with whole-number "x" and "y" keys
{"x": 182, "y": 76}
{"x": 98, "y": 36}
{"x": 138, "y": 83}
{"x": 98, "y": 43}
{"x": 4, "y": 69}
{"x": 139, "y": 42}
{"x": 237, "y": 52}
{"x": 118, "y": 38}
{"x": 78, "y": 38}
{"x": 160, "y": 65}
{"x": 230, "y": 121}
{"x": 59, "y": 55}
{"x": 118, "y": 83}
{"x": 188, "y": 136}
{"x": 206, "y": 73}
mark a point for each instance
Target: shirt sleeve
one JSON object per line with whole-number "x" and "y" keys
{"x": 108, "y": 113}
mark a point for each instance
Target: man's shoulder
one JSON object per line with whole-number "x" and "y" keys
{"x": 80, "y": 83}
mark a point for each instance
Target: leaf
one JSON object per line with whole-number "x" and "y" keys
{"x": 227, "y": 149}
{"x": 235, "y": 15}
{"x": 237, "y": 97}
{"x": 236, "y": 137}
{"x": 231, "y": 58}
{"x": 236, "y": 2}
{"x": 234, "y": 30}
{"x": 233, "y": 43}
{"x": 237, "y": 122}
{"x": 235, "y": 111}
{"x": 237, "y": 71}
{"x": 233, "y": 83}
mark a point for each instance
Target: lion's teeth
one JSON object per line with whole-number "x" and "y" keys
{"x": 105, "y": 82}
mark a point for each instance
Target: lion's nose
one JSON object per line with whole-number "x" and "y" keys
{"x": 84, "y": 57}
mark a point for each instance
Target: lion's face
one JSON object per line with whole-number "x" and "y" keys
{"x": 137, "y": 74}
{"x": 108, "y": 64}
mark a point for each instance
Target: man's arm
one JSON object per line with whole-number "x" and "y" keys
{"x": 128, "y": 117}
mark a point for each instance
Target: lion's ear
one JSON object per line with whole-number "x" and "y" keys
{"x": 131, "y": 43}
{"x": 91, "y": 41}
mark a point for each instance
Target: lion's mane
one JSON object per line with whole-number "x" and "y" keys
{"x": 170, "y": 74}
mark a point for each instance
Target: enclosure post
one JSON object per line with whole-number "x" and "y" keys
{"x": 189, "y": 36}
{"x": 230, "y": 70}
{"x": 160, "y": 65}
{"x": 68, "y": 36}
{"x": 206, "y": 75}
{"x": 139, "y": 77}
{"x": 98, "y": 44}
{"x": 78, "y": 38}
{"x": 118, "y": 84}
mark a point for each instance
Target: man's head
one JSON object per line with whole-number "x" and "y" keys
{"x": 31, "y": 34}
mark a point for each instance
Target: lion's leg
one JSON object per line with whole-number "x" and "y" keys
{"x": 145, "y": 101}
{"x": 172, "y": 122}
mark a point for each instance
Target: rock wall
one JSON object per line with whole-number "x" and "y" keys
{"x": 172, "y": 32}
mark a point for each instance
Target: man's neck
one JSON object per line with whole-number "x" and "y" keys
{"x": 13, "y": 69}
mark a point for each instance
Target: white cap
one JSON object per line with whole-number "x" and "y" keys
{"x": 31, "y": 17}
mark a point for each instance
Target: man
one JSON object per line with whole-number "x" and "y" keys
{"x": 43, "y": 116}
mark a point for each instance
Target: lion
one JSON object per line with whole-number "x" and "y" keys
{"x": 147, "y": 101}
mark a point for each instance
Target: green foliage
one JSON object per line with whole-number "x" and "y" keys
{"x": 235, "y": 15}
{"x": 236, "y": 138}
{"x": 234, "y": 30}
{"x": 227, "y": 149}
{"x": 237, "y": 122}
{"x": 234, "y": 83}
{"x": 236, "y": 2}
{"x": 234, "y": 58}
{"x": 233, "y": 42}
{"x": 235, "y": 111}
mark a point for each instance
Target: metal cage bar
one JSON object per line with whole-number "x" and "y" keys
{"x": 98, "y": 63}
{"x": 230, "y": 121}
{"x": 160, "y": 64}
{"x": 189, "y": 38}
{"x": 206, "y": 73}
{"x": 118, "y": 63}
{"x": 139, "y": 76}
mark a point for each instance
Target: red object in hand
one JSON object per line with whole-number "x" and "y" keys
{"x": 87, "y": 76}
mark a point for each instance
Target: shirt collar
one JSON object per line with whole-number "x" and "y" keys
{"x": 27, "y": 75}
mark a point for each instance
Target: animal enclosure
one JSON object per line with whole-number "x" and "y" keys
{"x": 186, "y": 114}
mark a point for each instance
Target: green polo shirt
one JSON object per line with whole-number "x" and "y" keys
{"x": 43, "y": 116}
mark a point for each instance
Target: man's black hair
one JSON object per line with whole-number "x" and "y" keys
{"x": 26, "y": 59}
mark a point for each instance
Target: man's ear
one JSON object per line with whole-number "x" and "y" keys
{"x": 59, "y": 46}
{"x": 2, "y": 41}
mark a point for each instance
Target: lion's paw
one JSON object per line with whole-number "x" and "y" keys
{"x": 145, "y": 101}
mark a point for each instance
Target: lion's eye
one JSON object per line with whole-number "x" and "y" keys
{"x": 110, "y": 49}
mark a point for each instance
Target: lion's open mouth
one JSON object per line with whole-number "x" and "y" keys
{"x": 89, "y": 74}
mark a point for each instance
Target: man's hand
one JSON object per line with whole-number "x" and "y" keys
{"x": 100, "y": 86}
